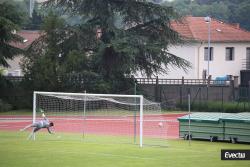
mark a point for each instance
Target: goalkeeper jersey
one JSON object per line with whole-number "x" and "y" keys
{"x": 42, "y": 124}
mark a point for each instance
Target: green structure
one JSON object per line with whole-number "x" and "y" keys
{"x": 216, "y": 126}
{"x": 203, "y": 126}
{"x": 237, "y": 127}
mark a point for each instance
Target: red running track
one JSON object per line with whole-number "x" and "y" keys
{"x": 160, "y": 126}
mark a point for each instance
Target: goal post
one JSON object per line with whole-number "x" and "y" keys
{"x": 99, "y": 113}
{"x": 34, "y": 112}
{"x": 141, "y": 120}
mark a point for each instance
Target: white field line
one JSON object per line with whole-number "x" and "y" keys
{"x": 15, "y": 118}
{"x": 91, "y": 119}
{"x": 126, "y": 120}
{"x": 28, "y": 119}
{"x": 10, "y": 127}
{"x": 4, "y": 125}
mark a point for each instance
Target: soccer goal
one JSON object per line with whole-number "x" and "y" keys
{"x": 102, "y": 117}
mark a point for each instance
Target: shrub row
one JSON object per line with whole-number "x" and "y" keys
{"x": 4, "y": 106}
{"x": 228, "y": 107}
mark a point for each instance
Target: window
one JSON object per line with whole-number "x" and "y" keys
{"x": 211, "y": 57}
{"x": 248, "y": 59}
{"x": 230, "y": 53}
{"x": 248, "y": 53}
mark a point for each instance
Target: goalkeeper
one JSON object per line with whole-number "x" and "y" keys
{"x": 45, "y": 123}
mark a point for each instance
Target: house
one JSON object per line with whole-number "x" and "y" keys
{"x": 28, "y": 38}
{"x": 229, "y": 48}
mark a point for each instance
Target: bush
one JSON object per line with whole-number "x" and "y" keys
{"x": 20, "y": 102}
{"x": 4, "y": 106}
{"x": 228, "y": 107}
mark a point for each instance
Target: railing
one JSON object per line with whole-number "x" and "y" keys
{"x": 14, "y": 78}
{"x": 246, "y": 64}
{"x": 182, "y": 81}
{"x": 159, "y": 81}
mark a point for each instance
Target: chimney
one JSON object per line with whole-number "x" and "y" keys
{"x": 236, "y": 25}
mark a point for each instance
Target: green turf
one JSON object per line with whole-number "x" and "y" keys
{"x": 17, "y": 112}
{"x": 47, "y": 151}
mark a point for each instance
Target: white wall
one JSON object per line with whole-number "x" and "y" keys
{"x": 194, "y": 53}
{"x": 219, "y": 66}
{"x": 187, "y": 52}
{"x": 15, "y": 68}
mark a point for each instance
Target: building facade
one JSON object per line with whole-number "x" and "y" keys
{"x": 14, "y": 68}
{"x": 229, "y": 49}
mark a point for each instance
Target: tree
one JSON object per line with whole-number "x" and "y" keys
{"x": 9, "y": 21}
{"x": 41, "y": 61}
{"x": 240, "y": 14}
{"x": 138, "y": 43}
{"x": 114, "y": 39}
{"x": 34, "y": 22}
{"x": 228, "y": 10}
{"x": 53, "y": 62}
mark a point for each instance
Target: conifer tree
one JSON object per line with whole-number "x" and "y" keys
{"x": 124, "y": 36}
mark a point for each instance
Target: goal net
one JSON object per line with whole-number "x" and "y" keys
{"x": 102, "y": 117}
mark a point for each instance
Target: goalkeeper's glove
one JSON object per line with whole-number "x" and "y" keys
{"x": 41, "y": 110}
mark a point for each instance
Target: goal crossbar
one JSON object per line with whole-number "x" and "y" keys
{"x": 86, "y": 94}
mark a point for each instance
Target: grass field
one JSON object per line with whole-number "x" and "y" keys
{"x": 17, "y": 112}
{"x": 48, "y": 151}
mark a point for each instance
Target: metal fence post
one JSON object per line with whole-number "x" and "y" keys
{"x": 181, "y": 90}
{"x": 156, "y": 88}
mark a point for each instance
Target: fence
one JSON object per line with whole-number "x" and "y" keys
{"x": 14, "y": 78}
{"x": 183, "y": 81}
{"x": 173, "y": 93}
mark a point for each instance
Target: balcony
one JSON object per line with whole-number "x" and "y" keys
{"x": 246, "y": 64}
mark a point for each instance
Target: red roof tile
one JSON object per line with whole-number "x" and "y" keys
{"x": 29, "y": 37}
{"x": 197, "y": 29}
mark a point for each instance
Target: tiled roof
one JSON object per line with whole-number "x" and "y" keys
{"x": 29, "y": 37}
{"x": 197, "y": 29}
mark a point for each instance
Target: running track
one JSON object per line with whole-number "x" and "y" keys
{"x": 162, "y": 126}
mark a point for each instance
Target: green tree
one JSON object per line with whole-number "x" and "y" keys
{"x": 115, "y": 38}
{"x": 216, "y": 10}
{"x": 230, "y": 11}
{"x": 41, "y": 61}
{"x": 240, "y": 14}
{"x": 54, "y": 62}
{"x": 138, "y": 43}
{"x": 34, "y": 22}
{"x": 9, "y": 21}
